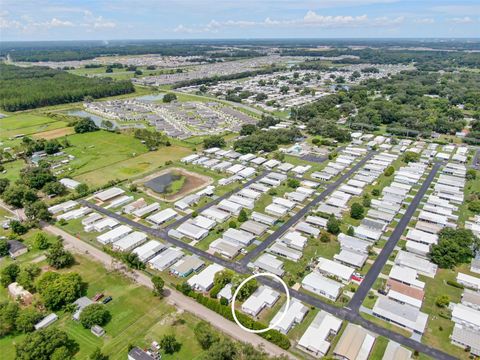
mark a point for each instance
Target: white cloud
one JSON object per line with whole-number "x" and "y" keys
{"x": 461, "y": 20}
{"x": 57, "y": 23}
{"x": 311, "y": 19}
{"x": 101, "y": 23}
{"x": 424, "y": 21}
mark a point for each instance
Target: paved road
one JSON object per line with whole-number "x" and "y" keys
{"x": 476, "y": 159}
{"x": 216, "y": 201}
{"x": 382, "y": 258}
{"x": 162, "y": 234}
{"x": 176, "y": 298}
{"x": 290, "y": 222}
{"x": 352, "y": 316}
{"x": 346, "y": 313}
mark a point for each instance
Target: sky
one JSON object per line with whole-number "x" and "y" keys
{"x": 29, "y": 20}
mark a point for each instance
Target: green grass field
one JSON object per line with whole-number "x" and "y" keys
{"x": 12, "y": 170}
{"x": 131, "y": 166}
{"x": 100, "y": 149}
{"x": 438, "y": 328}
{"x": 138, "y": 318}
{"x": 27, "y": 124}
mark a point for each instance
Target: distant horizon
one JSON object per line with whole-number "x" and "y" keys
{"x": 431, "y": 39}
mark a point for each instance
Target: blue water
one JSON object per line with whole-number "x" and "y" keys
{"x": 96, "y": 119}
{"x": 150, "y": 98}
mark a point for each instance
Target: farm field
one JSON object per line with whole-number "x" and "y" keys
{"x": 53, "y": 134}
{"x": 27, "y": 124}
{"x": 138, "y": 318}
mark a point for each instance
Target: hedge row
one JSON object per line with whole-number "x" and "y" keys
{"x": 273, "y": 336}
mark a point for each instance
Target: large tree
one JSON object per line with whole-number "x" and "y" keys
{"x": 58, "y": 290}
{"x": 42, "y": 345}
{"x": 58, "y": 257}
{"x": 214, "y": 141}
{"x": 455, "y": 247}
{"x": 94, "y": 314}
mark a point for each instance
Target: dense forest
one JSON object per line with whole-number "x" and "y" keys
{"x": 413, "y": 100}
{"x": 72, "y": 51}
{"x": 23, "y": 88}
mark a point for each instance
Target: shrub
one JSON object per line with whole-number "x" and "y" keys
{"x": 455, "y": 284}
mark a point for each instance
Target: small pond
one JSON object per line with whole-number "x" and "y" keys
{"x": 96, "y": 119}
{"x": 150, "y": 97}
{"x": 161, "y": 183}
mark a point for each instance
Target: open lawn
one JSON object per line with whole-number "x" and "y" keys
{"x": 27, "y": 124}
{"x": 12, "y": 170}
{"x": 438, "y": 328}
{"x": 138, "y": 318}
{"x": 130, "y": 166}
{"x": 100, "y": 149}
{"x": 314, "y": 249}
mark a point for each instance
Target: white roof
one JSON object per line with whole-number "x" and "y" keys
{"x": 422, "y": 236}
{"x": 315, "y": 337}
{"x": 166, "y": 258}
{"x": 413, "y": 261}
{"x": 295, "y": 314}
{"x": 204, "y": 279}
{"x": 162, "y": 216}
{"x": 109, "y": 193}
{"x": 334, "y": 268}
{"x": 276, "y": 209}
{"x": 294, "y": 239}
{"x": 129, "y": 241}
{"x": 192, "y": 231}
{"x": 351, "y": 257}
{"x": 262, "y": 218}
{"x": 229, "y": 206}
{"x": 114, "y": 234}
{"x": 203, "y": 222}
{"x": 465, "y": 315}
{"x": 404, "y": 314}
{"x": 263, "y": 296}
{"x": 283, "y": 202}
{"x": 406, "y": 275}
{"x": 317, "y": 282}
{"x": 238, "y": 236}
{"x": 105, "y": 223}
{"x": 146, "y": 209}
{"x": 148, "y": 250}
{"x": 69, "y": 183}
{"x": 468, "y": 279}
{"x": 216, "y": 214}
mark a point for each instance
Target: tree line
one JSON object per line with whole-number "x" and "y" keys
{"x": 28, "y": 88}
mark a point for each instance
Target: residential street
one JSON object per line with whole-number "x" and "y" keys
{"x": 382, "y": 258}
{"x": 295, "y": 218}
{"x": 173, "y": 296}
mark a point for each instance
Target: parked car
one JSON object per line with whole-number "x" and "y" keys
{"x": 107, "y": 300}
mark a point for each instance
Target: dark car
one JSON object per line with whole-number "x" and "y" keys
{"x": 107, "y": 300}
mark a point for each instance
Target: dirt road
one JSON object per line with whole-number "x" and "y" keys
{"x": 178, "y": 299}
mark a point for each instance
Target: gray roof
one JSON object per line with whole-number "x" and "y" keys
{"x": 15, "y": 245}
